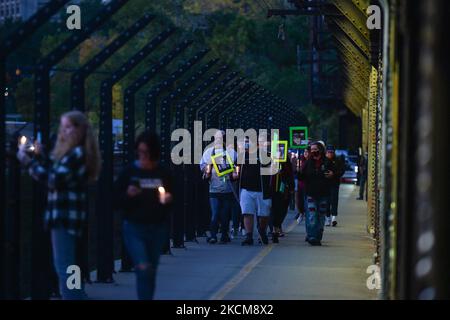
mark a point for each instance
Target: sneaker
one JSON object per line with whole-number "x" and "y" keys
{"x": 275, "y": 237}
{"x": 333, "y": 221}
{"x": 327, "y": 221}
{"x": 225, "y": 239}
{"x": 235, "y": 233}
{"x": 247, "y": 241}
{"x": 264, "y": 239}
{"x": 243, "y": 232}
{"x": 212, "y": 240}
{"x": 314, "y": 242}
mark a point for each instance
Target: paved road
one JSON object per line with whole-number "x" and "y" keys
{"x": 289, "y": 270}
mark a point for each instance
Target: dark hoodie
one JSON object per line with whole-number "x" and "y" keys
{"x": 312, "y": 173}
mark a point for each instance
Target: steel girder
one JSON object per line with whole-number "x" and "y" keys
{"x": 80, "y": 76}
{"x": 231, "y": 109}
{"x": 181, "y": 106}
{"x": 42, "y": 81}
{"x": 232, "y": 98}
{"x": 130, "y": 93}
{"x": 343, "y": 27}
{"x": 105, "y": 261}
{"x": 165, "y": 116}
{"x": 201, "y": 111}
{"x": 354, "y": 14}
{"x": 192, "y": 108}
{"x": 156, "y": 91}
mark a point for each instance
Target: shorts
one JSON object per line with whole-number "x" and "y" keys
{"x": 252, "y": 202}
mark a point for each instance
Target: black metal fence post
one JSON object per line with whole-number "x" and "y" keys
{"x": 129, "y": 123}
{"x": 11, "y": 43}
{"x": 42, "y": 127}
{"x": 200, "y": 204}
{"x": 188, "y": 191}
{"x": 211, "y": 116}
{"x": 202, "y": 111}
{"x": 12, "y": 233}
{"x": 231, "y": 109}
{"x": 3, "y": 207}
{"x": 145, "y": 78}
{"x": 80, "y": 76}
{"x": 177, "y": 218}
{"x": 105, "y": 231}
{"x": 78, "y": 103}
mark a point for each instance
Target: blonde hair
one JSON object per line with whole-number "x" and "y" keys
{"x": 83, "y": 136}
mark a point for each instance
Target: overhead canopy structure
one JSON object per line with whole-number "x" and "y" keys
{"x": 356, "y": 46}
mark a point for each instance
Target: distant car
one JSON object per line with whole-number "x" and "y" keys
{"x": 349, "y": 177}
{"x": 351, "y": 167}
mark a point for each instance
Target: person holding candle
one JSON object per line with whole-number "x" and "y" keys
{"x": 73, "y": 163}
{"x": 221, "y": 196}
{"x": 143, "y": 193}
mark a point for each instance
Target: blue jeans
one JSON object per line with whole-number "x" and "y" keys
{"x": 362, "y": 186}
{"x": 334, "y": 201}
{"x": 64, "y": 255}
{"x": 236, "y": 214}
{"x": 317, "y": 208}
{"x": 221, "y": 204}
{"x": 145, "y": 244}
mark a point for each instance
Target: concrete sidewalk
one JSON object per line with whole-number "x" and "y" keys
{"x": 289, "y": 270}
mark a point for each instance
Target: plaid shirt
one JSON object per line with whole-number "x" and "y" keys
{"x": 66, "y": 180}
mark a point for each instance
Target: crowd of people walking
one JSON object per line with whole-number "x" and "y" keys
{"x": 254, "y": 195}
{"x": 311, "y": 179}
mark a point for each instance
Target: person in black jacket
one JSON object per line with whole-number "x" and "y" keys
{"x": 335, "y": 183}
{"x": 143, "y": 192}
{"x": 362, "y": 176}
{"x": 255, "y": 194}
{"x": 283, "y": 187}
{"x": 316, "y": 173}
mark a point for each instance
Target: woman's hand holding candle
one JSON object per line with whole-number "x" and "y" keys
{"x": 22, "y": 155}
{"x": 164, "y": 197}
{"x": 23, "y": 140}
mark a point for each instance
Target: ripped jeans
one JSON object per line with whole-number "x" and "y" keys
{"x": 145, "y": 244}
{"x": 316, "y": 210}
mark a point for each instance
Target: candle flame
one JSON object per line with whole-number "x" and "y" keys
{"x": 161, "y": 190}
{"x": 23, "y": 140}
